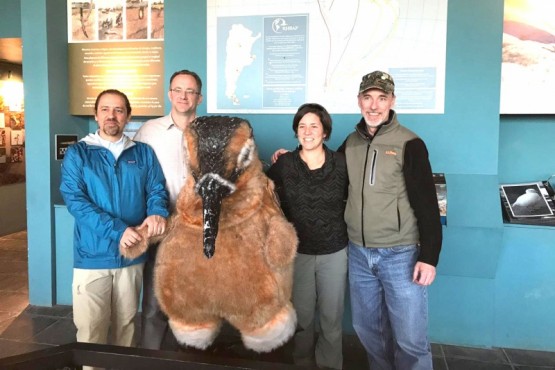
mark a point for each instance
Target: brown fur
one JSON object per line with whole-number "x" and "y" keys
{"x": 249, "y": 278}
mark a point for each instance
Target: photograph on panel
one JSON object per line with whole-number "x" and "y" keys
{"x": 527, "y": 200}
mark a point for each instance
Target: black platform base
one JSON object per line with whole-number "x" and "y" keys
{"x": 76, "y": 355}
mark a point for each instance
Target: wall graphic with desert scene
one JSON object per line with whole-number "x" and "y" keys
{"x": 105, "y": 20}
{"x": 528, "y": 69}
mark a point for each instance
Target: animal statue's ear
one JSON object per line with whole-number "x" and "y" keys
{"x": 246, "y": 154}
{"x": 241, "y": 145}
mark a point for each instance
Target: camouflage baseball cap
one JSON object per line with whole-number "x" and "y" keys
{"x": 377, "y": 80}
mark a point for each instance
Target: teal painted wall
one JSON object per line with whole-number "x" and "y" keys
{"x": 524, "y": 289}
{"x": 494, "y": 284}
{"x": 526, "y": 148}
{"x": 524, "y": 284}
{"x": 10, "y": 27}
{"x": 39, "y": 174}
{"x": 44, "y": 34}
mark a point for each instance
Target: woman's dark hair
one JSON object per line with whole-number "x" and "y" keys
{"x": 115, "y": 92}
{"x": 318, "y": 110}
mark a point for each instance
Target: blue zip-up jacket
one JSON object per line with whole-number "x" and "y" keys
{"x": 106, "y": 196}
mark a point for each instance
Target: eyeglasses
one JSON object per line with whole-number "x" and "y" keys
{"x": 178, "y": 91}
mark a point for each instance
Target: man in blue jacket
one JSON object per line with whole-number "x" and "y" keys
{"x": 113, "y": 187}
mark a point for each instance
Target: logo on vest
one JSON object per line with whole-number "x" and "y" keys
{"x": 390, "y": 152}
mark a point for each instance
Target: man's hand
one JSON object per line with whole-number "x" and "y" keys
{"x": 277, "y": 153}
{"x": 155, "y": 225}
{"x": 424, "y": 274}
{"x": 130, "y": 237}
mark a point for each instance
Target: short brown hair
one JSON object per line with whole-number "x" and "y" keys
{"x": 115, "y": 92}
{"x": 190, "y": 73}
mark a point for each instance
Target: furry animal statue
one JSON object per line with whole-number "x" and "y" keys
{"x": 228, "y": 252}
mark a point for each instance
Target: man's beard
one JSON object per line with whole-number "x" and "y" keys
{"x": 111, "y": 129}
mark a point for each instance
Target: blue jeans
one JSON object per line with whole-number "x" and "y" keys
{"x": 390, "y": 311}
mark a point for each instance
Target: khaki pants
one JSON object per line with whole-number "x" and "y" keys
{"x": 106, "y": 301}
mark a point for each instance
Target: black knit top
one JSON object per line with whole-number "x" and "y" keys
{"x": 313, "y": 200}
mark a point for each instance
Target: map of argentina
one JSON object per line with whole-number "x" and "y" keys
{"x": 238, "y": 56}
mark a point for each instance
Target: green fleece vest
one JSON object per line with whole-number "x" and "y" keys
{"x": 378, "y": 212}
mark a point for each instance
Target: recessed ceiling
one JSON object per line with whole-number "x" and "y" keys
{"x": 11, "y": 51}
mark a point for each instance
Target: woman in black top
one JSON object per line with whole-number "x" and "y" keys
{"x": 311, "y": 183}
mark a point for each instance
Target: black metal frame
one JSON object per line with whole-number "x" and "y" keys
{"x": 75, "y": 355}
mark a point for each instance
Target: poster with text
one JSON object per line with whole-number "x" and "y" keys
{"x": 116, "y": 44}
{"x": 270, "y": 56}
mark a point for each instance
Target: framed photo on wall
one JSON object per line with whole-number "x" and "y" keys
{"x": 18, "y": 137}
{"x": 16, "y": 154}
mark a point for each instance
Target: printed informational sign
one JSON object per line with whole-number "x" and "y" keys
{"x": 271, "y": 56}
{"x": 62, "y": 143}
{"x": 116, "y": 44}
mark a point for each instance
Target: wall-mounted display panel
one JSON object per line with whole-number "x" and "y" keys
{"x": 271, "y": 56}
{"x": 116, "y": 44}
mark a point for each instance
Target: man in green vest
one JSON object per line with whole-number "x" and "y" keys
{"x": 394, "y": 231}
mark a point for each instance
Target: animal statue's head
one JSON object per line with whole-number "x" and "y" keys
{"x": 220, "y": 149}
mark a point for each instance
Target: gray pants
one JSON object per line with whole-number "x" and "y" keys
{"x": 155, "y": 331}
{"x": 319, "y": 287}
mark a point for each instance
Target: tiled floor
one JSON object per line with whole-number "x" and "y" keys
{"x": 25, "y": 328}
{"x": 14, "y": 291}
